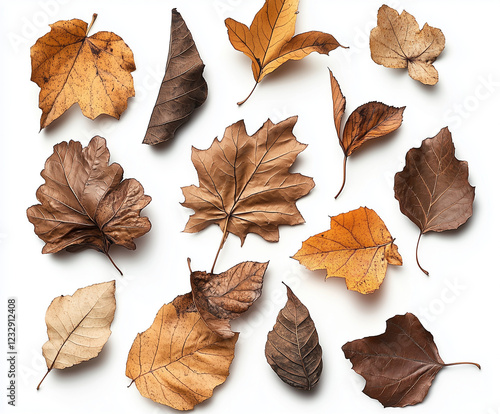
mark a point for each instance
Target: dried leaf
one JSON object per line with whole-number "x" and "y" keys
{"x": 244, "y": 182}
{"x": 397, "y": 42}
{"x": 398, "y": 365}
{"x": 369, "y": 121}
{"x": 270, "y": 40}
{"x": 70, "y": 68}
{"x": 183, "y": 88}
{"x": 178, "y": 361}
{"x": 224, "y": 297}
{"x": 78, "y": 326}
{"x": 292, "y": 347}
{"x": 358, "y": 247}
{"x": 85, "y": 203}
{"x": 433, "y": 189}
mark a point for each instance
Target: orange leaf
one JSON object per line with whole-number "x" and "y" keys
{"x": 70, "y": 68}
{"x": 357, "y": 247}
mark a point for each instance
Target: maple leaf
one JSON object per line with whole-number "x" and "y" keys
{"x": 398, "y": 365}
{"x": 369, "y": 121}
{"x": 179, "y": 361}
{"x": 244, "y": 182}
{"x": 397, "y": 42}
{"x": 70, "y": 67}
{"x": 183, "y": 88}
{"x": 223, "y": 297}
{"x": 358, "y": 247}
{"x": 78, "y": 326}
{"x": 270, "y": 40}
{"x": 85, "y": 203}
{"x": 292, "y": 348}
{"x": 433, "y": 189}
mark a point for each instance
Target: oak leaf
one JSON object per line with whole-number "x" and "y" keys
{"x": 183, "y": 88}
{"x": 78, "y": 326}
{"x": 433, "y": 189}
{"x": 179, "y": 361}
{"x": 223, "y": 297}
{"x": 358, "y": 247}
{"x": 70, "y": 67}
{"x": 85, "y": 203}
{"x": 369, "y": 121}
{"x": 397, "y": 42}
{"x": 244, "y": 182}
{"x": 292, "y": 348}
{"x": 270, "y": 40}
{"x": 398, "y": 365}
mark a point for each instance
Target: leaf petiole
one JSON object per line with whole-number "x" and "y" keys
{"x": 416, "y": 255}
{"x": 344, "y": 174}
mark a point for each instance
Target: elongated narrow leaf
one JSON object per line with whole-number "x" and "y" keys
{"x": 78, "y": 326}
{"x": 292, "y": 347}
{"x": 183, "y": 88}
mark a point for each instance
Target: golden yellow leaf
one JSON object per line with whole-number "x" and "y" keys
{"x": 70, "y": 68}
{"x": 357, "y": 247}
{"x": 179, "y": 361}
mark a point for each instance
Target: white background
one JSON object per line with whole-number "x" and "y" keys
{"x": 458, "y": 303}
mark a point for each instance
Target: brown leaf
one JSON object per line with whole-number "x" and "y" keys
{"x": 292, "y": 347}
{"x": 78, "y": 326}
{"x": 270, "y": 40}
{"x": 85, "y": 203}
{"x": 433, "y": 189}
{"x": 178, "y": 361}
{"x": 358, "y": 247}
{"x": 224, "y": 297}
{"x": 398, "y": 365}
{"x": 183, "y": 88}
{"x": 397, "y": 42}
{"x": 70, "y": 68}
{"x": 369, "y": 121}
{"x": 244, "y": 182}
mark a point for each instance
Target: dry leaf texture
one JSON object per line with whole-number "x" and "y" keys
{"x": 244, "y": 182}
{"x": 178, "y": 361}
{"x": 78, "y": 326}
{"x": 292, "y": 347}
{"x": 270, "y": 40}
{"x": 183, "y": 88}
{"x": 70, "y": 68}
{"x": 223, "y": 297}
{"x": 433, "y": 189}
{"x": 398, "y": 365}
{"x": 397, "y": 42}
{"x": 85, "y": 203}
{"x": 358, "y": 247}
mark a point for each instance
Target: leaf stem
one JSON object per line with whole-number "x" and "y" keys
{"x": 40, "y": 383}
{"x": 416, "y": 255}
{"x": 224, "y": 234}
{"x": 463, "y": 363}
{"x": 114, "y": 264}
{"x": 243, "y": 101}
{"x": 94, "y": 16}
{"x": 343, "y": 180}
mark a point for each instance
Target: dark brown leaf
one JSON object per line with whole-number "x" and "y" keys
{"x": 398, "y": 365}
{"x": 433, "y": 189}
{"x": 183, "y": 88}
{"x": 85, "y": 203}
{"x": 292, "y": 347}
{"x": 223, "y": 297}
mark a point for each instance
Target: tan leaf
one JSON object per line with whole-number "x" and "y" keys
{"x": 397, "y": 42}
{"x": 179, "y": 361}
{"x": 270, "y": 40}
{"x": 223, "y": 297}
{"x": 358, "y": 247}
{"x": 85, "y": 203}
{"x": 244, "y": 182}
{"x": 70, "y": 67}
{"x": 78, "y": 326}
